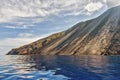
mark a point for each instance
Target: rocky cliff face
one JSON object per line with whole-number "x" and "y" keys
{"x": 99, "y": 36}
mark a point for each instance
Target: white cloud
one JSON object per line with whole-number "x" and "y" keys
{"x": 12, "y": 27}
{"x": 17, "y": 27}
{"x": 26, "y": 35}
{"x": 24, "y": 13}
{"x": 93, "y": 6}
{"x": 12, "y": 9}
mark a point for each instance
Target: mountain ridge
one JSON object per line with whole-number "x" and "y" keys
{"x": 98, "y": 36}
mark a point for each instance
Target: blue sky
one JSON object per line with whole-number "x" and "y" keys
{"x": 25, "y": 21}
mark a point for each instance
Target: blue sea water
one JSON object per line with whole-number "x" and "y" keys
{"x": 36, "y": 67}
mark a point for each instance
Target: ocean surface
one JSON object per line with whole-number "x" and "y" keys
{"x": 36, "y": 67}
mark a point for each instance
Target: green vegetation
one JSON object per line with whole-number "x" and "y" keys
{"x": 54, "y": 36}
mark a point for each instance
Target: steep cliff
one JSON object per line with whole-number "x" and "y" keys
{"x": 99, "y": 36}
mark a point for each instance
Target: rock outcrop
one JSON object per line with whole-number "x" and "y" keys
{"x": 99, "y": 36}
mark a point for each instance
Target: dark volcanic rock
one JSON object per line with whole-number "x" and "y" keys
{"x": 99, "y": 36}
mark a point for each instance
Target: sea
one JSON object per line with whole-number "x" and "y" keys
{"x": 37, "y": 67}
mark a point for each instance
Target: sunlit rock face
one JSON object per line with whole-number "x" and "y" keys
{"x": 99, "y": 36}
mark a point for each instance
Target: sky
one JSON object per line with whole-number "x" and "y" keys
{"x": 25, "y": 21}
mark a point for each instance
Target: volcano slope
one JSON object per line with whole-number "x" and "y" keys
{"x": 99, "y": 36}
